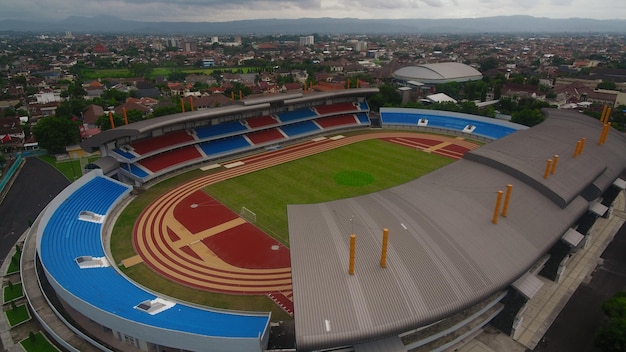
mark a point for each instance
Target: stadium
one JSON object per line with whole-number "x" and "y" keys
{"x": 437, "y": 73}
{"x": 433, "y": 260}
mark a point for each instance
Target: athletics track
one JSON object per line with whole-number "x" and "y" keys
{"x": 190, "y": 238}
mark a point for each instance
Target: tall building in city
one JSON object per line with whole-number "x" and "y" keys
{"x": 308, "y": 40}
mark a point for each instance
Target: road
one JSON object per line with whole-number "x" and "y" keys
{"x": 35, "y": 186}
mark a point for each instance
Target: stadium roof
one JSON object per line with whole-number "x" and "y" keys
{"x": 444, "y": 253}
{"x": 438, "y": 73}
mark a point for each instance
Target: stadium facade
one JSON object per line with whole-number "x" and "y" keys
{"x": 454, "y": 264}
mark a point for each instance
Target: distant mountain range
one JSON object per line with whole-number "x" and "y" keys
{"x": 499, "y": 24}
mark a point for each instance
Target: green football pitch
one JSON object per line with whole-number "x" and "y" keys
{"x": 349, "y": 171}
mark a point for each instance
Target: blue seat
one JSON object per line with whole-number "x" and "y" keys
{"x": 483, "y": 126}
{"x": 300, "y": 128}
{"x": 222, "y": 129}
{"x": 295, "y": 115}
{"x": 363, "y": 119}
{"x": 124, "y": 153}
{"x": 224, "y": 145}
{"x": 66, "y": 237}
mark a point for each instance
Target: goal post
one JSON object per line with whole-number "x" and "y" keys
{"x": 248, "y": 215}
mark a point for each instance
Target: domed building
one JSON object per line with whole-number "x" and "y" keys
{"x": 429, "y": 74}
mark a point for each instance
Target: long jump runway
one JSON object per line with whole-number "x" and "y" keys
{"x": 188, "y": 237}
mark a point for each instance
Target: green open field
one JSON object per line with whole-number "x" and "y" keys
{"x": 349, "y": 171}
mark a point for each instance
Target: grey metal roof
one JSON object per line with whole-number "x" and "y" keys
{"x": 524, "y": 154}
{"x": 528, "y": 285}
{"x": 598, "y": 208}
{"x": 107, "y": 164}
{"x": 334, "y": 94}
{"x": 389, "y": 344}
{"x": 572, "y": 237}
{"x": 445, "y": 254}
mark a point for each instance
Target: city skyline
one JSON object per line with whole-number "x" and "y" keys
{"x": 220, "y": 11}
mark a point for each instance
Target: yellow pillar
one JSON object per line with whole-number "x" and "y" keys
{"x": 603, "y": 113}
{"x": 582, "y": 144}
{"x": 352, "y": 248}
{"x": 497, "y": 209}
{"x": 125, "y": 116}
{"x": 191, "y": 103}
{"x": 576, "y": 150}
{"x": 240, "y": 95}
{"x": 383, "y": 254}
{"x": 608, "y": 114}
{"x": 182, "y": 104}
{"x": 232, "y": 96}
{"x": 111, "y": 119}
{"x": 555, "y": 160}
{"x": 548, "y": 166}
{"x": 605, "y": 130}
{"x": 507, "y": 199}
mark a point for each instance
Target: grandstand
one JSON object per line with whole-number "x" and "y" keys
{"x": 74, "y": 261}
{"x": 142, "y": 151}
{"x": 453, "y": 264}
{"x": 479, "y": 127}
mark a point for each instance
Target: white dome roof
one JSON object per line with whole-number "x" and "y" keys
{"x": 438, "y": 73}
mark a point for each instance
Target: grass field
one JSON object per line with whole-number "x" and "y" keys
{"x": 349, "y": 171}
{"x": 70, "y": 168}
{"x": 37, "y": 342}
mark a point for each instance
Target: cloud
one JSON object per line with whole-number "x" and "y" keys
{"x": 220, "y": 10}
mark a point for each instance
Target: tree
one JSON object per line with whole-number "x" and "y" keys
{"x": 238, "y": 87}
{"x": 612, "y": 336}
{"x": 10, "y": 112}
{"x": 74, "y": 90}
{"x": 165, "y": 110}
{"x": 387, "y": 96}
{"x": 104, "y": 122}
{"x": 55, "y": 133}
{"x": 140, "y": 69}
{"x": 488, "y": 64}
{"x": 71, "y": 108}
{"x": 528, "y": 117}
{"x": 610, "y": 85}
{"x": 176, "y": 75}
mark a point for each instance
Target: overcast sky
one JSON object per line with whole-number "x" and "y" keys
{"x": 228, "y": 10}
